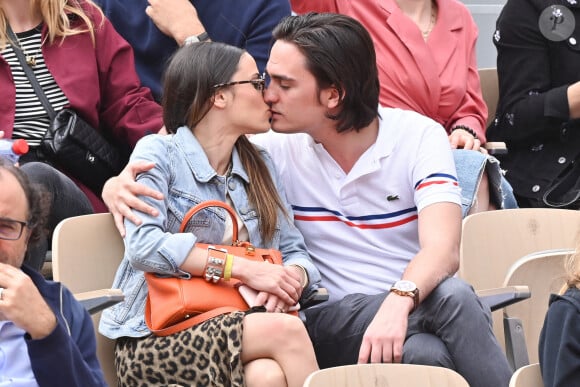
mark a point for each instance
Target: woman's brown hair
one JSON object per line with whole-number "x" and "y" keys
{"x": 188, "y": 94}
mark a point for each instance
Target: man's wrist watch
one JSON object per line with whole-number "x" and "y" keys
{"x": 408, "y": 289}
{"x": 196, "y": 38}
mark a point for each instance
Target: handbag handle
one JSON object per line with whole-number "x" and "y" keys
{"x": 212, "y": 203}
{"x": 30, "y": 74}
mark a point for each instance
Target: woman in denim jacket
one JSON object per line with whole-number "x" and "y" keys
{"x": 212, "y": 100}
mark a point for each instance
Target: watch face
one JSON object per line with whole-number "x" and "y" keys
{"x": 406, "y": 286}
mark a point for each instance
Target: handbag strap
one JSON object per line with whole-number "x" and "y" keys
{"x": 180, "y": 326}
{"x": 30, "y": 74}
{"x": 212, "y": 203}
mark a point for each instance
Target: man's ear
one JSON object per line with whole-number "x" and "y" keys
{"x": 331, "y": 97}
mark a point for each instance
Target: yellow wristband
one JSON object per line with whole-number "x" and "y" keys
{"x": 228, "y": 267}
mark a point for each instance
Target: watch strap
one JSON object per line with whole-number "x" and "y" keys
{"x": 413, "y": 294}
{"x": 196, "y": 38}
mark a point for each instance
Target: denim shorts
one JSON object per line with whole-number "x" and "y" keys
{"x": 470, "y": 166}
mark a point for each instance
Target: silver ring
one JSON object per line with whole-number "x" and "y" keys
{"x": 1, "y": 291}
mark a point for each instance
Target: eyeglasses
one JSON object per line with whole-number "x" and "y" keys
{"x": 257, "y": 83}
{"x": 11, "y": 229}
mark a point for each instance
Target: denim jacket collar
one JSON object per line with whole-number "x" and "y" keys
{"x": 197, "y": 159}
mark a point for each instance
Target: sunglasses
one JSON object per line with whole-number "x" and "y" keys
{"x": 258, "y": 83}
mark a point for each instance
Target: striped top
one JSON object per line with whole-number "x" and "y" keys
{"x": 30, "y": 118}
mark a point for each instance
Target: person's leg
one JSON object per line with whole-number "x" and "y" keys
{"x": 427, "y": 349}
{"x": 67, "y": 200}
{"x": 482, "y": 202}
{"x": 483, "y": 187}
{"x": 470, "y": 166}
{"x": 264, "y": 373}
{"x": 455, "y": 314}
{"x": 336, "y": 331}
{"x": 282, "y": 338}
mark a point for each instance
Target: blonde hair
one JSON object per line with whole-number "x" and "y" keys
{"x": 56, "y": 16}
{"x": 573, "y": 269}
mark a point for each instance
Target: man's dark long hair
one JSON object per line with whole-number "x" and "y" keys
{"x": 339, "y": 52}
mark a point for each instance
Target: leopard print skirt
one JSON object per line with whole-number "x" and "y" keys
{"x": 207, "y": 354}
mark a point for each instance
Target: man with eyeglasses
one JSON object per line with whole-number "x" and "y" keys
{"x": 46, "y": 336}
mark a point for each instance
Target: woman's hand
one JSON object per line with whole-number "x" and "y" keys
{"x": 120, "y": 194}
{"x": 462, "y": 139}
{"x": 275, "y": 280}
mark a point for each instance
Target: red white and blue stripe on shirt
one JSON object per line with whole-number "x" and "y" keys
{"x": 436, "y": 178}
{"x": 375, "y": 221}
{"x": 372, "y": 221}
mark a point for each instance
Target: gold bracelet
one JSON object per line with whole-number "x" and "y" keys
{"x": 228, "y": 267}
{"x": 305, "y": 276}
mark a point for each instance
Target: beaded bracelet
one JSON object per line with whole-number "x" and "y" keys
{"x": 467, "y": 129}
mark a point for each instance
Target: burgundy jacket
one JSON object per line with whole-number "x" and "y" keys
{"x": 100, "y": 82}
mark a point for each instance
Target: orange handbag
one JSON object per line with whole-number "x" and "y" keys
{"x": 174, "y": 304}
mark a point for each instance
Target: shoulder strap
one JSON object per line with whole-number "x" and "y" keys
{"x": 30, "y": 74}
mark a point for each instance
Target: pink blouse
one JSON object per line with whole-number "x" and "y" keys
{"x": 437, "y": 78}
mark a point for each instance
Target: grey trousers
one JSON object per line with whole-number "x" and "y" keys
{"x": 451, "y": 328}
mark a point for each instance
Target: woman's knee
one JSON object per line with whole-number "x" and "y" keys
{"x": 268, "y": 333}
{"x": 42, "y": 173}
{"x": 288, "y": 330}
{"x": 264, "y": 372}
{"x": 68, "y": 198}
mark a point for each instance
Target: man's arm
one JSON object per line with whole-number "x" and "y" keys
{"x": 438, "y": 258}
{"x": 175, "y": 18}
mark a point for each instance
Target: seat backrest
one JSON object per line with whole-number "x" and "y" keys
{"x": 86, "y": 252}
{"x": 544, "y": 273}
{"x": 379, "y": 375}
{"x": 528, "y": 376}
{"x": 489, "y": 90}
{"x": 492, "y": 241}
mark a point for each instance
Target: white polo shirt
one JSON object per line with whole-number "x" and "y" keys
{"x": 361, "y": 228}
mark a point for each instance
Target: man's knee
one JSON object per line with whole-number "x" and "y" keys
{"x": 455, "y": 291}
{"x": 456, "y": 298}
{"x": 427, "y": 349}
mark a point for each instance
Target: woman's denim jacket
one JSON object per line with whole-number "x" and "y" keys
{"x": 183, "y": 174}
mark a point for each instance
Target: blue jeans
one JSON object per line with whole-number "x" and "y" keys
{"x": 66, "y": 200}
{"x": 470, "y": 166}
{"x": 451, "y": 328}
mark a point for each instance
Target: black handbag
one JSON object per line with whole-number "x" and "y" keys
{"x": 565, "y": 190}
{"x": 74, "y": 145}
{"x": 81, "y": 150}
